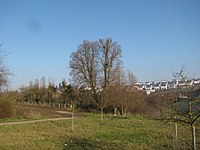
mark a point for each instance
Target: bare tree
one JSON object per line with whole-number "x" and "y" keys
{"x": 186, "y": 106}
{"x": 84, "y": 66}
{"x": 51, "y": 93}
{"x": 131, "y": 78}
{"x": 119, "y": 78}
{"x": 110, "y": 59}
{"x": 4, "y": 71}
{"x": 116, "y": 89}
{"x": 43, "y": 82}
{"x": 93, "y": 65}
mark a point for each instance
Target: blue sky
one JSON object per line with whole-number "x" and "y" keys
{"x": 157, "y": 36}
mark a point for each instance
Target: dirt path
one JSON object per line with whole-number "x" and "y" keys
{"x": 63, "y": 112}
{"x": 32, "y": 121}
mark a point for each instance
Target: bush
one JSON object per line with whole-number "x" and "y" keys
{"x": 7, "y": 106}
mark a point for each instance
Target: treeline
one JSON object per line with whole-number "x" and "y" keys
{"x": 117, "y": 99}
{"x": 39, "y": 92}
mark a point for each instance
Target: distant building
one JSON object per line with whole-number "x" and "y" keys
{"x": 151, "y": 87}
{"x": 156, "y": 86}
{"x": 196, "y": 81}
{"x": 172, "y": 84}
{"x": 139, "y": 86}
{"x": 164, "y": 85}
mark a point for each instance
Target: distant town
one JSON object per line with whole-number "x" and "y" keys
{"x": 152, "y": 87}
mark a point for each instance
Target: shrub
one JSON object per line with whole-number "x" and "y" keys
{"x": 7, "y": 106}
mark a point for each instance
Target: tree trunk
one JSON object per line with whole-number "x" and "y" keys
{"x": 115, "y": 111}
{"x": 193, "y": 138}
{"x": 176, "y": 130}
{"x": 72, "y": 117}
{"x": 122, "y": 110}
{"x": 101, "y": 113}
{"x": 125, "y": 111}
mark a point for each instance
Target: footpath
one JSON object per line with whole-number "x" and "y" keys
{"x": 33, "y": 121}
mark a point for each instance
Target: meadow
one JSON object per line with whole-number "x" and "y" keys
{"x": 130, "y": 132}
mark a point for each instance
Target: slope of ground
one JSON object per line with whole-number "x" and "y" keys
{"x": 132, "y": 132}
{"x": 31, "y": 112}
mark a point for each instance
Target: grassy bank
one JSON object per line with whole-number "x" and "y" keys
{"x": 30, "y": 112}
{"x": 133, "y": 132}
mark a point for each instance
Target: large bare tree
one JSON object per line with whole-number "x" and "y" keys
{"x": 94, "y": 64}
{"x": 85, "y": 69}
{"x": 84, "y": 66}
{"x": 4, "y": 71}
{"x": 110, "y": 59}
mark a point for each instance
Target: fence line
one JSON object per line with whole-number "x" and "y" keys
{"x": 54, "y": 105}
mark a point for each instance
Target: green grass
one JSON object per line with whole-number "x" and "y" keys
{"x": 132, "y": 132}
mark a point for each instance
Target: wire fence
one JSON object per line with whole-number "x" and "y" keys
{"x": 44, "y": 104}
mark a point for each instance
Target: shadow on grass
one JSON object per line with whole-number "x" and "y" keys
{"x": 91, "y": 144}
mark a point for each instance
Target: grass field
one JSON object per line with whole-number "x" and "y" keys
{"x": 30, "y": 112}
{"x": 132, "y": 132}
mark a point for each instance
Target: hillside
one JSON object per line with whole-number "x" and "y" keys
{"x": 132, "y": 132}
